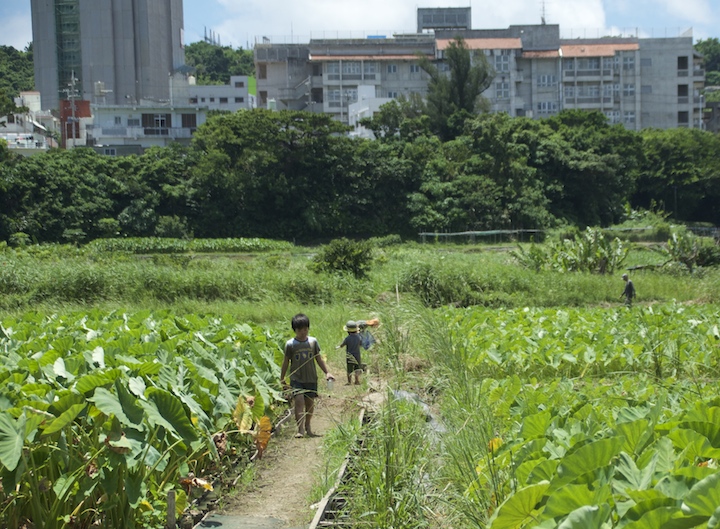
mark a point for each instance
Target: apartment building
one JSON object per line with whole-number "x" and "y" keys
{"x": 638, "y": 82}
{"x": 131, "y": 128}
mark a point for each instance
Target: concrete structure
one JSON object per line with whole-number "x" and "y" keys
{"x": 324, "y": 76}
{"x": 637, "y": 82}
{"x": 130, "y": 129}
{"x": 110, "y": 51}
{"x": 32, "y": 132}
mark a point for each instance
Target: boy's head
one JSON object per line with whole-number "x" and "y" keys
{"x": 300, "y": 321}
{"x": 351, "y": 326}
{"x": 625, "y": 277}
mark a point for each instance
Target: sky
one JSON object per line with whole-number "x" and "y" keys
{"x": 241, "y": 23}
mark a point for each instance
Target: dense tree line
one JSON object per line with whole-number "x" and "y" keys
{"x": 293, "y": 175}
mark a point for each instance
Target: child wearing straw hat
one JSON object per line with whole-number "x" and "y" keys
{"x": 352, "y": 343}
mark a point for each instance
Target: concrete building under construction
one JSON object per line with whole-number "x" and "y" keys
{"x": 107, "y": 52}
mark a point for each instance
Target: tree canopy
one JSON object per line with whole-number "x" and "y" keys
{"x": 216, "y": 64}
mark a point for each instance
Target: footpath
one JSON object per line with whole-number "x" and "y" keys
{"x": 280, "y": 494}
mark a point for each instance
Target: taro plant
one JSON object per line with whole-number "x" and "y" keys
{"x": 592, "y": 251}
{"x": 102, "y": 415}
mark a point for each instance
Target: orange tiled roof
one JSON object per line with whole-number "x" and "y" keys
{"x": 597, "y": 50}
{"x": 544, "y": 54}
{"x": 485, "y": 44}
{"x": 378, "y": 57}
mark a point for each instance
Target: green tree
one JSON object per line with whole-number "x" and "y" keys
{"x": 271, "y": 174}
{"x": 16, "y": 71}
{"x": 710, "y": 49}
{"x": 215, "y": 64}
{"x": 680, "y": 173}
{"x": 454, "y": 98}
{"x": 401, "y": 119}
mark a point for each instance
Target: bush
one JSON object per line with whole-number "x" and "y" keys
{"x": 344, "y": 255}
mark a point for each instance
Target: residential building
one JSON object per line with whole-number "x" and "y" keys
{"x": 130, "y": 129}
{"x": 107, "y": 52}
{"x": 637, "y": 82}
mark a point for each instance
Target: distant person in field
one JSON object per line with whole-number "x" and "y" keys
{"x": 352, "y": 343}
{"x": 629, "y": 292}
{"x": 301, "y": 355}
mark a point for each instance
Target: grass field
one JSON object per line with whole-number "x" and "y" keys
{"x": 531, "y": 374}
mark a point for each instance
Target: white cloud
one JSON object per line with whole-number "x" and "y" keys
{"x": 695, "y": 11}
{"x": 278, "y": 19}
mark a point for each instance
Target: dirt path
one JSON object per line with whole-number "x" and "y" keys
{"x": 289, "y": 468}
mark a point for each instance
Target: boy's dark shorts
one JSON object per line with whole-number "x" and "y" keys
{"x": 306, "y": 389}
{"x": 352, "y": 365}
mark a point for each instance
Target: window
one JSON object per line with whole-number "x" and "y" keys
{"x": 683, "y": 117}
{"x": 414, "y": 68}
{"x": 263, "y": 97}
{"x": 156, "y": 124}
{"x": 239, "y": 99}
{"x": 629, "y": 117}
{"x": 546, "y": 80}
{"x": 569, "y": 91}
{"x": 682, "y": 63}
{"x": 392, "y": 68}
{"x": 629, "y": 62}
{"x": 629, "y": 89}
{"x": 568, "y": 64}
{"x": 502, "y": 61}
{"x": 262, "y": 71}
{"x": 590, "y": 63}
{"x": 610, "y": 90}
{"x": 613, "y": 116}
{"x": 608, "y": 63}
{"x": 502, "y": 90}
{"x": 133, "y": 122}
{"x": 212, "y": 99}
{"x": 239, "y": 84}
{"x": 352, "y": 70}
{"x": 545, "y": 107}
{"x": 189, "y": 121}
{"x": 223, "y": 100}
{"x": 682, "y": 90}
{"x": 369, "y": 70}
{"x": 392, "y": 95}
{"x": 110, "y": 151}
{"x": 193, "y": 100}
{"x": 593, "y": 90}
{"x": 333, "y": 70}
{"x": 317, "y": 70}
{"x": 202, "y": 99}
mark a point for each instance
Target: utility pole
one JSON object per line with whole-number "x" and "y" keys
{"x": 72, "y": 94}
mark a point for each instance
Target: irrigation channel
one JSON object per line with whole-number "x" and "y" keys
{"x": 330, "y": 510}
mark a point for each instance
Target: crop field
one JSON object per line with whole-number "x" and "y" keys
{"x": 130, "y": 374}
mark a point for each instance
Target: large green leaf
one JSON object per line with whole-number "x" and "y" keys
{"x": 518, "y": 508}
{"x": 133, "y": 411}
{"x": 587, "y": 517}
{"x": 110, "y": 405}
{"x": 636, "y": 433}
{"x": 12, "y": 437}
{"x": 534, "y": 426}
{"x": 589, "y": 457}
{"x": 704, "y": 498}
{"x": 571, "y": 497}
{"x": 65, "y": 419}
{"x": 172, "y": 414}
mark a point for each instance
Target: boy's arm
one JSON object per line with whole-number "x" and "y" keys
{"x": 323, "y": 366}
{"x": 283, "y": 370}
